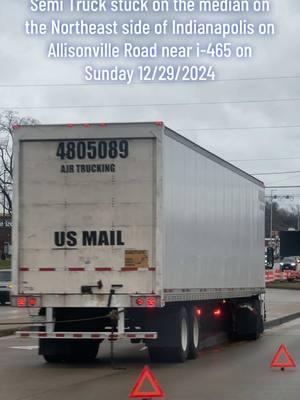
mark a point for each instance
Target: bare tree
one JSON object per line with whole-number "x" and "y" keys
{"x": 10, "y": 121}
{"x": 282, "y": 218}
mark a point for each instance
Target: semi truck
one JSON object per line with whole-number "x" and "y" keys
{"x": 130, "y": 230}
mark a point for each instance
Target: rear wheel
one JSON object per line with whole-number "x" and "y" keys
{"x": 248, "y": 321}
{"x": 56, "y": 351}
{"x": 51, "y": 359}
{"x": 194, "y": 333}
{"x": 85, "y": 352}
{"x": 175, "y": 344}
{"x": 179, "y": 352}
{"x": 156, "y": 354}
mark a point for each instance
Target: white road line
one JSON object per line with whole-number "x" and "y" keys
{"x": 24, "y": 347}
{"x": 143, "y": 348}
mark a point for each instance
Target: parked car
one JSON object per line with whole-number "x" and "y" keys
{"x": 288, "y": 264}
{"x": 5, "y": 285}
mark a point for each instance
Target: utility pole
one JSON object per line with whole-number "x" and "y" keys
{"x": 298, "y": 217}
{"x": 271, "y": 215}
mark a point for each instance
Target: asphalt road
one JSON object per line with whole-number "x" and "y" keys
{"x": 280, "y": 302}
{"x": 7, "y": 312}
{"x": 235, "y": 371}
{"x": 12, "y": 315}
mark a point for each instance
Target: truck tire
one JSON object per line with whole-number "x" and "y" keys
{"x": 249, "y": 321}
{"x": 177, "y": 330}
{"x": 259, "y": 330}
{"x": 86, "y": 352}
{"x": 179, "y": 353}
{"x": 194, "y": 333}
{"x": 70, "y": 352}
{"x": 156, "y": 354}
{"x": 53, "y": 359}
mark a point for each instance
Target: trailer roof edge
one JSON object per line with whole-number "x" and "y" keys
{"x": 182, "y": 139}
{"x": 176, "y": 136}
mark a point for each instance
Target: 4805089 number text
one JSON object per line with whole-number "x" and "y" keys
{"x": 92, "y": 149}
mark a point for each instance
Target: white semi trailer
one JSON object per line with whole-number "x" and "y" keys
{"x": 132, "y": 231}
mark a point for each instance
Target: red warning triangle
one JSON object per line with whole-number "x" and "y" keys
{"x": 146, "y": 374}
{"x": 282, "y": 351}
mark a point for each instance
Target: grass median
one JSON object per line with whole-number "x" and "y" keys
{"x": 293, "y": 285}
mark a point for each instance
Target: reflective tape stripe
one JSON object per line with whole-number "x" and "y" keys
{"x": 76, "y": 269}
{"x": 128, "y": 269}
{"x": 88, "y": 335}
{"x": 103, "y": 269}
{"x": 149, "y": 336}
{"x": 79, "y": 269}
{"x": 46, "y": 269}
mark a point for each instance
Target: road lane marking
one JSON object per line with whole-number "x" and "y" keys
{"x": 24, "y": 347}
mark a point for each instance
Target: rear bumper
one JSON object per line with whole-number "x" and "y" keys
{"x": 115, "y": 300}
{"x": 87, "y": 335}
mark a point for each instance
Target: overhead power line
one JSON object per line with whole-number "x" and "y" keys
{"x": 240, "y": 128}
{"x": 136, "y": 105}
{"x": 284, "y": 179}
{"x": 282, "y": 187}
{"x": 24, "y": 85}
{"x": 265, "y": 159}
{"x": 277, "y": 173}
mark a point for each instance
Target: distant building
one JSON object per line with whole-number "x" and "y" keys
{"x": 5, "y": 235}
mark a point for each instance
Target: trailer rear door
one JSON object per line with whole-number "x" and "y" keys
{"x": 87, "y": 212}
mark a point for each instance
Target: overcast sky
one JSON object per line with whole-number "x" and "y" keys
{"x": 23, "y": 62}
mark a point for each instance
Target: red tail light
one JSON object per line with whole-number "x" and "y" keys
{"x": 199, "y": 312}
{"x": 139, "y": 301}
{"x": 217, "y": 312}
{"x": 151, "y": 302}
{"x": 32, "y": 301}
{"x": 21, "y": 301}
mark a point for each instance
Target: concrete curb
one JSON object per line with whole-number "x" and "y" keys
{"x": 223, "y": 337}
{"x": 281, "y": 320}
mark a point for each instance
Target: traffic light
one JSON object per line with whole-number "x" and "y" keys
{"x": 270, "y": 256}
